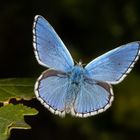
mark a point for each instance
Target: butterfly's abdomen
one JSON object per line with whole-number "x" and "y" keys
{"x": 75, "y": 79}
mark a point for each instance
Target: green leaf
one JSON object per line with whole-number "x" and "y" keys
{"x": 12, "y": 116}
{"x": 19, "y": 88}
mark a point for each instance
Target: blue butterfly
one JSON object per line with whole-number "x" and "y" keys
{"x": 68, "y": 88}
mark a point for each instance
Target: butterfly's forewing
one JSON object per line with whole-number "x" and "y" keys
{"x": 93, "y": 98}
{"x": 48, "y": 47}
{"x": 113, "y": 66}
{"x": 51, "y": 89}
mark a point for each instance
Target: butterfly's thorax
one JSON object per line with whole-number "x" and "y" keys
{"x": 76, "y": 75}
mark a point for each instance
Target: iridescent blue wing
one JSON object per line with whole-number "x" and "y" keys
{"x": 51, "y": 90}
{"x": 93, "y": 98}
{"x": 113, "y": 66}
{"x": 48, "y": 47}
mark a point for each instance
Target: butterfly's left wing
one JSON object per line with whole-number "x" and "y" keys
{"x": 49, "y": 49}
{"x": 113, "y": 66}
{"x": 94, "y": 97}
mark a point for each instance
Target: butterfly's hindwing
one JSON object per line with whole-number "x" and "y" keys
{"x": 94, "y": 97}
{"x": 51, "y": 90}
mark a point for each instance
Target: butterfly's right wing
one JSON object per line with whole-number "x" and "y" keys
{"x": 113, "y": 66}
{"x": 49, "y": 48}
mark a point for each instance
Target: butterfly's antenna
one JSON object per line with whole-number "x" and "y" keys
{"x": 76, "y": 62}
{"x": 79, "y": 63}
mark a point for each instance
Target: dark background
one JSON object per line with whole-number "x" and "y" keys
{"x": 88, "y": 28}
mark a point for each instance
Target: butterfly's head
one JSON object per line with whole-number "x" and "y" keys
{"x": 79, "y": 63}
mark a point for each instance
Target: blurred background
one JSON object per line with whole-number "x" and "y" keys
{"x": 88, "y": 28}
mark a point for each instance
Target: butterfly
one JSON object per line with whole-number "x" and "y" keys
{"x": 69, "y": 88}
